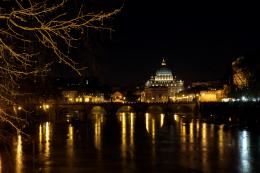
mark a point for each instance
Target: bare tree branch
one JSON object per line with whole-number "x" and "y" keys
{"x": 31, "y": 24}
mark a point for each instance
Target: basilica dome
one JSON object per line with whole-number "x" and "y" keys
{"x": 163, "y": 70}
{"x": 162, "y": 86}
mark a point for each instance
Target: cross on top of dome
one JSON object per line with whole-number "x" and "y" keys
{"x": 163, "y": 70}
{"x": 163, "y": 62}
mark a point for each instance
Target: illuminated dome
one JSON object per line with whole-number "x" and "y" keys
{"x": 164, "y": 78}
{"x": 162, "y": 86}
{"x": 163, "y": 70}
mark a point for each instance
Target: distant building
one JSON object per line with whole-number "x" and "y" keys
{"x": 211, "y": 95}
{"x": 214, "y": 95}
{"x": 118, "y": 97}
{"x": 207, "y": 91}
{"x": 162, "y": 86}
{"x": 82, "y": 97}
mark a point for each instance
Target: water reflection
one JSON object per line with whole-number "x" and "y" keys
{"x": 40, "y": 137}
{"x": 204, "y": 135}
{"x": 204, "y": 145}
{"x": 127, "y": 121}
{"x": 19, "y": 155}
{"x": 244, "y": 151}
{"x": 98, "y": 124}
{"x": 153, "y": 122}
{"x": 47, "y": 139}
{"x": 176, "y": 118}
{"x": 197, "y": 128}
{"x": 194, "y": 138}
{"x": 44, "y": 136}
{"x": 132, "y": 130}
{"x": 123, "y": 135}
{"x": 170, "y": 143}
{"x": 97, "y": 117}
{"x": 70, "y": 138}
{"x": 221, "y": 142}
{"x": 191, "y": 132}
{"x": 183, "y": 133}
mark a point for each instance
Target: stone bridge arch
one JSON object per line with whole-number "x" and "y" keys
{"x": 111, "y": 109}
{"x": 66, "y": 114}
{"x": 96, "y": 109}
{"x": 125, "y": 108}
{"x": 97, "y": 112}
{"x": 181, "y": 108}
{"x": 156, "y": 109}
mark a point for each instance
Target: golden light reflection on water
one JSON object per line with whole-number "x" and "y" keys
{"x": 40, "y": 138}
{"x": 177, "y": 122}
{"x": 153, "y": 130}
{"x": 191, "y": 132}
{"x": 162, "y": 120}
{"x": 204, "y": 147}
{"x": 183, "y": 133}
{"x": 176, "y": 118}
{"x": 44, "y": 135}
{"x": 147, "y": 122}
{"x": 127, "y": 133}
{"x": 198, "y": 146}
{"x": 152, "y": 123}
{"x": 198, "y": 128}
{"x": 123, "y": 136}
{"x": 47, "y": 139}
{"x": 98, "y": 127}
{"x": 132, "y": 130}
{"x": 221, "y": 142}
{"x": 70, "y": 138}
{"x": 204, "y": 135}
{"x": 19, "y": 155}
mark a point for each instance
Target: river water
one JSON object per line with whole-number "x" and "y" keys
{"x": 130, "y": 142}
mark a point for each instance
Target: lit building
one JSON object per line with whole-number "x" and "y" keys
{"x": 162, "y": 86}
{"x": 118, "y": 97}
{"x": 78, "y": 97}
{"x": 211, "y": 95}
{"x": 203, "y": 94}
{"x": 241, "y": 75}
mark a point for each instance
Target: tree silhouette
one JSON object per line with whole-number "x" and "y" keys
{"x": 29, "y": 29}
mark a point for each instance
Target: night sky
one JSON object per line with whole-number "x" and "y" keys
{"x": 199, "y": 41}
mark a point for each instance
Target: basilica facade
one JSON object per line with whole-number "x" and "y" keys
{"x": 162, "y": 87}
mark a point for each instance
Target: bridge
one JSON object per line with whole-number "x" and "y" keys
{"x": 112, "y": 108}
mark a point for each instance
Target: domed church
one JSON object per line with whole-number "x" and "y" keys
{"x": 161, "y": 87}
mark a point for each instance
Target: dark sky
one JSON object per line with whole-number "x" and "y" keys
{"x": 199, "y": 41}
